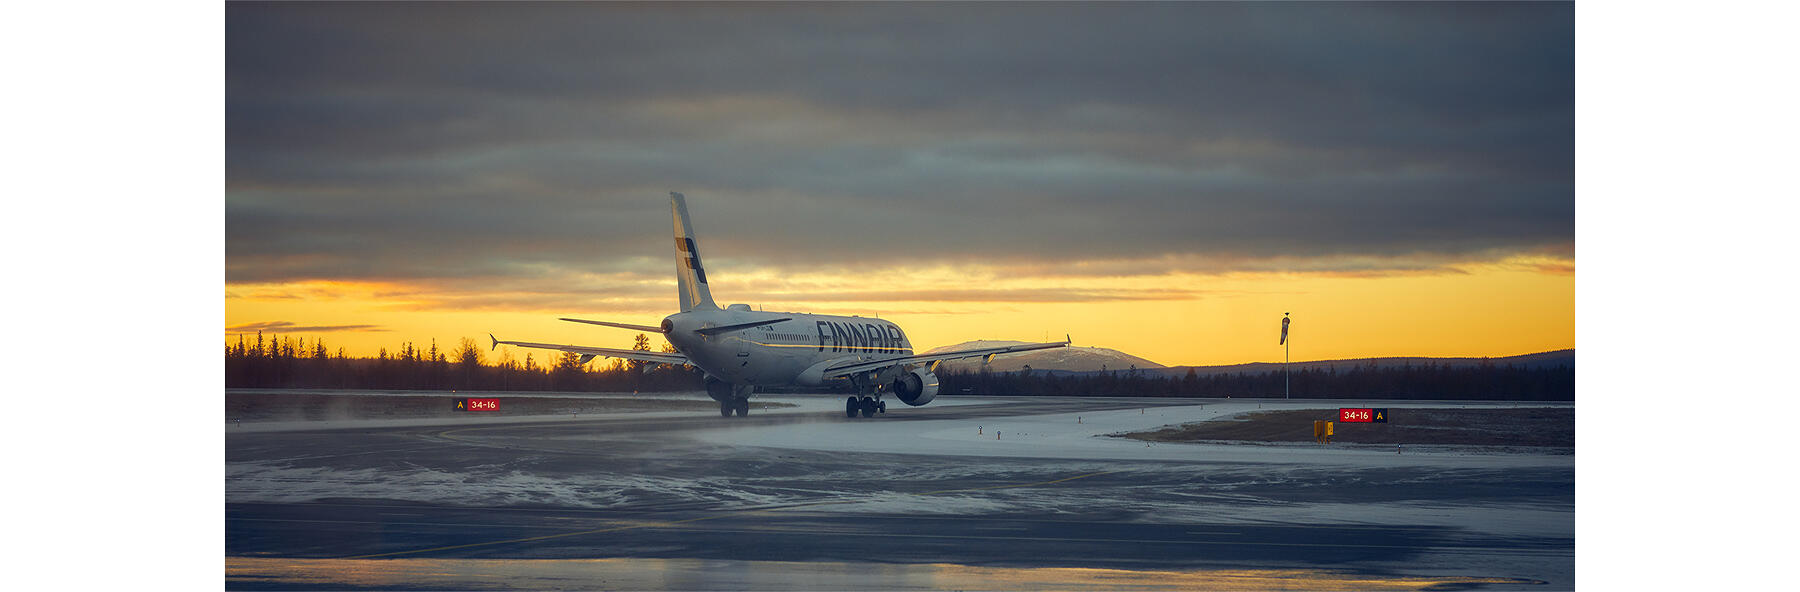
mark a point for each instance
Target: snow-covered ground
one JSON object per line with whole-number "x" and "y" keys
{"x": 1085, "y": 436}
{"x": 801, "y": 404}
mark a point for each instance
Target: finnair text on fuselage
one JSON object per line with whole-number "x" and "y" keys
{"x": 865, "y": 337}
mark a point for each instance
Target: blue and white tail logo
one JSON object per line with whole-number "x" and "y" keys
{"x": 690, "y": 275}
{"x": 684, "y": 251}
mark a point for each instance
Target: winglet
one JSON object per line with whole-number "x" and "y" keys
{"x": 1067, "y": 339}
{"x": 496, "y": 341}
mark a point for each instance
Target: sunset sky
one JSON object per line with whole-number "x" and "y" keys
{"x": 1162, "y": 179}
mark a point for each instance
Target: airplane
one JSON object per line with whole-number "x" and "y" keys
{"x": 739, "y": 349}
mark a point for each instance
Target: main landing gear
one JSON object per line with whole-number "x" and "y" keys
{"x": 867, "y": 406}
{"x": 739, "y": 406}
{"x": 732, "y": 398}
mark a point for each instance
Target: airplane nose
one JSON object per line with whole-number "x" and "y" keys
{"x": 668, "y": 326}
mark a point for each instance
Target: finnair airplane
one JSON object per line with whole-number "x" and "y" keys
{"x": 739, "y": 349}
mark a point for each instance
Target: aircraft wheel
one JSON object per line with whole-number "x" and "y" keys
{"x": 881, "y": 406}
{"x": 724, "y": 409}
{"x": 868, "y": 407}
{"x": 743, "y": 407}
{"x": 850, "y": 407}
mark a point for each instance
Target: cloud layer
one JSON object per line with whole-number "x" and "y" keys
{"x": 526, "y": 143}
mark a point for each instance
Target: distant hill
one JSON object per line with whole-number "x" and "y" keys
{"x": 1549, "y": 359}
{"x": 1079, "y": 360}
{"x": 1067, "y": 359}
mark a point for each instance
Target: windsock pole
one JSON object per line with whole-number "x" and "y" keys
{"x": 1286, "y": 380}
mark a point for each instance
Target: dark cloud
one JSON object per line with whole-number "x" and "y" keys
{"x": 290, "y": 327}
{"x": 482, "y": 140}
{"x": 979, "y": 295}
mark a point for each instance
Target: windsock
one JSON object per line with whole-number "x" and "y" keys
{"x": 1284, "y": 324}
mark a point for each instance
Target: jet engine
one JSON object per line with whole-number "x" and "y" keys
{"x": 917, "y": 387}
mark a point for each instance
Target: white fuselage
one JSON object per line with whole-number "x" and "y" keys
{"x": 780, "y": 353}
{"x": 740, "y": 349}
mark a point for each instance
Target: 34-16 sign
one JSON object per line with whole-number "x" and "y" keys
{"x": 1362, "y": 415}
{"x": 477, "y": 404}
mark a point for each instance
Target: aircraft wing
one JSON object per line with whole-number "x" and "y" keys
{"x": 854, "y": 367}
{"x": 588, "y": 353}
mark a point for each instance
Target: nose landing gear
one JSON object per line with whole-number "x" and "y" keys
{"x": 732, "y": 398}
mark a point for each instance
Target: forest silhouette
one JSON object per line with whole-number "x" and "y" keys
{"x": 295, "y": 363}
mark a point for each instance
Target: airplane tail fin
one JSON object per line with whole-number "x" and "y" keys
{"x": 690, "y": 275}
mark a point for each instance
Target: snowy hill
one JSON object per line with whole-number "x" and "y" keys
{"x": 1094, "y": 359}
{"x": 1069, "y": 359}
{"x": 1549, "y": 359}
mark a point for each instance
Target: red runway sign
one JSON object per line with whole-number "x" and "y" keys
{"x": 1362, "y": 415}
{"x": 477, "y": 404}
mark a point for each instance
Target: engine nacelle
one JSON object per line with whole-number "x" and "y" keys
{"x": 917, "y": 387}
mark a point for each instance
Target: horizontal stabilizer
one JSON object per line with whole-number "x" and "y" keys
{"x": 605, "y": 352}
{"x": 619, "y": 325}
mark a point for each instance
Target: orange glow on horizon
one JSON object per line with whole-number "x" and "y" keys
{"x": 1513, "y": 306}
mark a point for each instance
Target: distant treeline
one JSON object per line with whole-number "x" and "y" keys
{"x": 287, "y": 362}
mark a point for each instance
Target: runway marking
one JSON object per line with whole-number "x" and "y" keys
{"x": 706, "y": 518}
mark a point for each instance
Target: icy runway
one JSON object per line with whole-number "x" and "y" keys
{"x": 963, "y": 494}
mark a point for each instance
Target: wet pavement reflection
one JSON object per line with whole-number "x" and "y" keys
{"x": 253, "y": 573}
